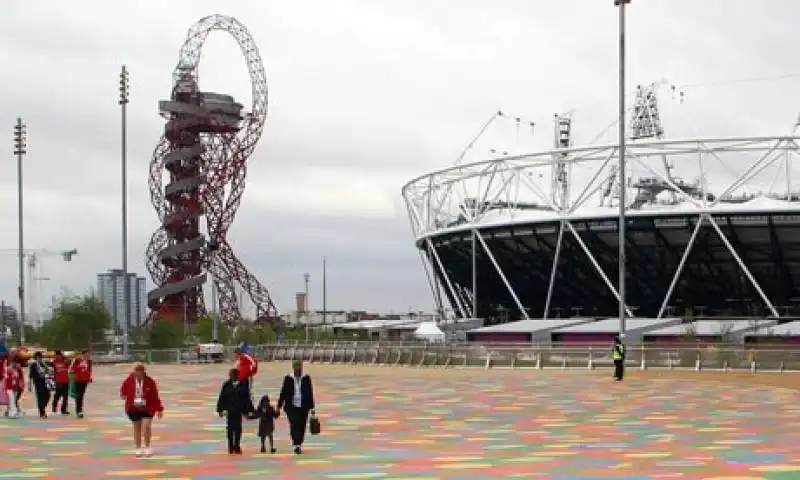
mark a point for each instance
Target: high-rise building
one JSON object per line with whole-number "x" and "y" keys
{"x": 111, "y": 290}
{"x": 8, "y": 316}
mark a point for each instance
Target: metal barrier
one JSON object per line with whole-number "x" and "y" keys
{"x": 540, "y": 357}
{"x": 412, "y": 354}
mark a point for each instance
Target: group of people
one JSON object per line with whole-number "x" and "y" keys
{"x": 47, "y": 380}
{"x": 296, "y": 399}
{"x": 235, "y": 402}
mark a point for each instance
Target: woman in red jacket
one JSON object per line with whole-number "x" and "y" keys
{"x": 142, "y": 402}
{"x": 61, "y": 374}
{"x": 81, "y": 367}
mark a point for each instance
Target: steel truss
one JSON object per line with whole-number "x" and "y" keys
{"x": 724, "y": 242}
{"x": 204, "y": 150}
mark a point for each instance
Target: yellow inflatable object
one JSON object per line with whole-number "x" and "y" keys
{"x": 26, "y": 352}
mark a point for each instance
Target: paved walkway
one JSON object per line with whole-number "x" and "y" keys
{"x": 409, "y": 423}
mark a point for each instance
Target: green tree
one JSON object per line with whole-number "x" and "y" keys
{"x": 165, "y": 334}
{"x": 314, "y": 334}
{"x": 77, "y": 323}
{"x": 137, "y": 336}
{"x": 254, "y": 334}
{"x": 205, "y": 328}
{"x": 32, "y": 335}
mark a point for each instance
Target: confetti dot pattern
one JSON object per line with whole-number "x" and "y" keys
{"x": 383, "y": 422}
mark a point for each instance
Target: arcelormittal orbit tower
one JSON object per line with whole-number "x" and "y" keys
{"x": 197, "y": 178}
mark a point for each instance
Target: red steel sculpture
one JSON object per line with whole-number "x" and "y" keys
{"x": 202, "y": 159}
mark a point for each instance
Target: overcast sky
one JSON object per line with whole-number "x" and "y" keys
{"x": 364, "y": 95}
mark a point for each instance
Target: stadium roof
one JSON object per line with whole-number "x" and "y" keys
{"x": 711, "y": 327}
{"x": 531, "y": 326}
{"x": 788, "y": 329}
{"x": 611, "y": 325}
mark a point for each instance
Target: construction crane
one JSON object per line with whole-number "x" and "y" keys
{"x": 35, "y": 273}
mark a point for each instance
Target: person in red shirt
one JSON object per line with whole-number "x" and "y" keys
{"x": 247, "y": 367}
{"x": 14, "y": 383}
{"x": 81, "y": 367}
{"x": 61, "y": 376}
{"x": 142, "y": 402}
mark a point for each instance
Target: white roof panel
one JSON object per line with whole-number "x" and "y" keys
{"x": 788, "y": 329}
{"x": 427, "y": 329}
{"x": 710, "y": 327}
{"x": 611, "y": 325}
{"x": 498, "y": 217}
{"x": 368, "y": 324}
{"x": 530, "y": 326}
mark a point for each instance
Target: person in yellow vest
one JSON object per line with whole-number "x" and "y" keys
{"x": 618, "y": 355}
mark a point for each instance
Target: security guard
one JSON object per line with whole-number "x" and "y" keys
{"x": 618, "y": 355}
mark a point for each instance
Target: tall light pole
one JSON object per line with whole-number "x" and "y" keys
{"x": 306, "y": 278}
{"x": 324, "y": 292}
{"x": 304, "y": 313}
{"x": 20, "y": 149}
{"x": 621, "y": 4}
{"x": 123, "y": 103}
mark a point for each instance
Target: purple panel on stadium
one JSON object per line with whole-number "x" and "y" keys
{"x": 502, "y": 337}
{"x": 584, "y": 337}
{"x": 678, "y": 340}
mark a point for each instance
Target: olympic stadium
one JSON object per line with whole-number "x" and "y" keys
{"x": 711, "y": 227}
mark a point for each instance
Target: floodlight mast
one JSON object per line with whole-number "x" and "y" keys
{"x": 622, "y": 307}
{"x": 20, "y": 149}
{"x": 124, "y": 95}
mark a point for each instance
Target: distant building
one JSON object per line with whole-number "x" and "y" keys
{"x": 111, "y": 290}
{"x": 8, "y": 315}
{"x": 335, "y": 317}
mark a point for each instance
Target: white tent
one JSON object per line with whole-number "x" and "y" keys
{"x": 430, "y": 332}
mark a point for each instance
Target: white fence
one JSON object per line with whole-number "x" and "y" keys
{"x": 722, "y": 358}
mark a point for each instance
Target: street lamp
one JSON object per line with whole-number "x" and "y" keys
{"x": 621, "y": 4}
{"x": 123, "y": 103}
{"x": 305, "y": 313}
{"x": 20, "y": 149}
{"x": 324, "y": 291}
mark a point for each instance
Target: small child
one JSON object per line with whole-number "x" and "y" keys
{"x": 266, "y": 423}
{"x": 234, "y": 400}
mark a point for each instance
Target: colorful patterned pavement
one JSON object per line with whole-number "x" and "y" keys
{"x": 409, "y": 423}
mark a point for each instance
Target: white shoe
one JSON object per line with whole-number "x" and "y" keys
{"x": 138, "y": 453}
{"x": 147, "y": 452}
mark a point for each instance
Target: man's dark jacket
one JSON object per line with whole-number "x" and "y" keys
{"x": 234, "y": 398}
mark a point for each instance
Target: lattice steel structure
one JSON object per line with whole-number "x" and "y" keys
{"x": 495, "y": 242}
{"x": 203, "y": 152}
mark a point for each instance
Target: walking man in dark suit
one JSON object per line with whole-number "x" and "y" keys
{"x": 297, "y": 400}
{"x": 234, "y": 401}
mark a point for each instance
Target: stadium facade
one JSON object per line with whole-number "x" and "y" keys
{"x": 536, "y": 235}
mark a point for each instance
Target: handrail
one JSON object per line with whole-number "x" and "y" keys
{"x": 706, "y": 357}
{"x": 516, "y": 345}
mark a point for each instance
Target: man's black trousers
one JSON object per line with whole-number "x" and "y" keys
{"x": 42, "y": 398}
{"x": 80, "y": 392}
{"x": 619, "y": 369}
{"x": 234, "y": 430}
{"x": 298, "y": 420}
